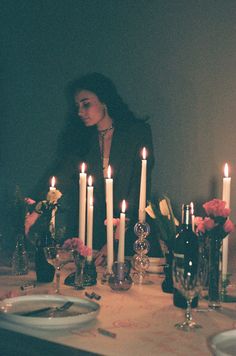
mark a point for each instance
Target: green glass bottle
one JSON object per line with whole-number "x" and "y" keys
{"x": 185, "y": 242}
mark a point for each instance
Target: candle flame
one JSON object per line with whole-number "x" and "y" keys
{"x": 144, "y": 153}
{"x": 109, "y": 172}
{"x": 83, "y": 168}
{"x": 123, "y": 207}
{"x": 90, "y": 181}
{"x": 226, "y": 170}
{"x": 53, "y": 181}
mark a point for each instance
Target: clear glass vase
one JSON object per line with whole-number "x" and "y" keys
{"x": 20, "y": 261}
{"x": 214, "y": 288}
{"x": 79, "y": 272}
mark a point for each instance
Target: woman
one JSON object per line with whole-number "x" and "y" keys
{"x": 104, "y": 132}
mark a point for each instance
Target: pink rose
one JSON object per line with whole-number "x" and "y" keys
{"x": 229, "y": 226}
{"x": 216, "y": 207}
{"x": 76, "y": 244}
{"x": 85, "y": 251}
{"x": 209, "y": 223}
{"x": 198, "y": 221}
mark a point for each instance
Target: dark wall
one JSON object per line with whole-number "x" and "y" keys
{"x": 171, "y": 60}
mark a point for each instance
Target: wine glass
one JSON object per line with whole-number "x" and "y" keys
{"x": 58, "y": 257}
{"x": 188, "y": 274}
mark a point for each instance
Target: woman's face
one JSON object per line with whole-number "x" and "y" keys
{"x": 90, "y": 109}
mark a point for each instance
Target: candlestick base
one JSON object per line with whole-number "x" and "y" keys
{"x": 140, "y": 261}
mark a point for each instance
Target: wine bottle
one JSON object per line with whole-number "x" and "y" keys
{"x": 186, "y": 240}
{"x": 44, "y": 270}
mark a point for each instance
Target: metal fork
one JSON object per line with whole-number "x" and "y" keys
{"x": 63, "y": 307}
{"x": 53, "y": 310}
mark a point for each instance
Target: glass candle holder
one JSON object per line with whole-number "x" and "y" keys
{"x": 140, "y": 260}
{"x": 120, "y": 279}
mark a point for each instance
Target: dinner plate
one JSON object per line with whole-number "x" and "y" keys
{"x": 82, "y": 311}
{"x": 224, "y": 344}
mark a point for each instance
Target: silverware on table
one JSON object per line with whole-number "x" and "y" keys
{"x": 53, "y": 310}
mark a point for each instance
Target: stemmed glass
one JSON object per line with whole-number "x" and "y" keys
{"x": 188, "y": 276}
{"x": 58, "y": 257}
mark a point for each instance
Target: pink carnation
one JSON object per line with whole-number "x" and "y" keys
{"x": 216, "y": 207}
{"x": 76, "y": 244}
{"x": 229, "y": 226}
{"x": 30, "y": 201}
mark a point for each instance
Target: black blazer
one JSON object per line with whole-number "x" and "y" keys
{"x": 125, "y": 161}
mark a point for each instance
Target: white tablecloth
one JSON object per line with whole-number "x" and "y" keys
{"x": 142, "y": 318}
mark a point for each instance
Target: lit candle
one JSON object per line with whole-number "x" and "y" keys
{"x": 82, "y": 202}
{"x": 193, "y": 216}
{"x": 52, "y": 224}
{"x": 226, "y": 198}
{"x": 89, "y": 191}
{"x": 90, "y": 227}
{"x": 143, "y": 182}
{"x": 109, "y": 211}
{"x": 121, "y": 249}
{"x": 53, "y": 182}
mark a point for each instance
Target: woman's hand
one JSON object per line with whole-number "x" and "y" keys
{"x": 30, "y": 220}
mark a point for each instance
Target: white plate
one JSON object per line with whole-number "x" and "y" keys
{"x": 81, "y": 311}
{"x": 224, "y": 344}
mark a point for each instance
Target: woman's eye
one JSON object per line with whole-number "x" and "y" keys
{"x": 86, "y": 105}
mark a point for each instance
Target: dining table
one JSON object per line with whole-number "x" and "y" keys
{"x": 139, "y": 321}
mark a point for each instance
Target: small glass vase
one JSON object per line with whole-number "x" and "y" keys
{"x": 20, "y": 261}
{"x": 120, "y": 279}
{"x": 79, "y": 272}
{"x": 89, "y": 273}
{"x": 214, "y": 288}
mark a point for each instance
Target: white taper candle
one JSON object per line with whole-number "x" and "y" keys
{"x": 109, "y": 213}
{"x": 226, "y": 198}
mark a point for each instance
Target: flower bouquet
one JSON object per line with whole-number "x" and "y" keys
{"x": 214, "y": 227}
{"x": 85, "y": 272}
{"x": 43, "y": 212}
{"x": 166, "y": 225}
